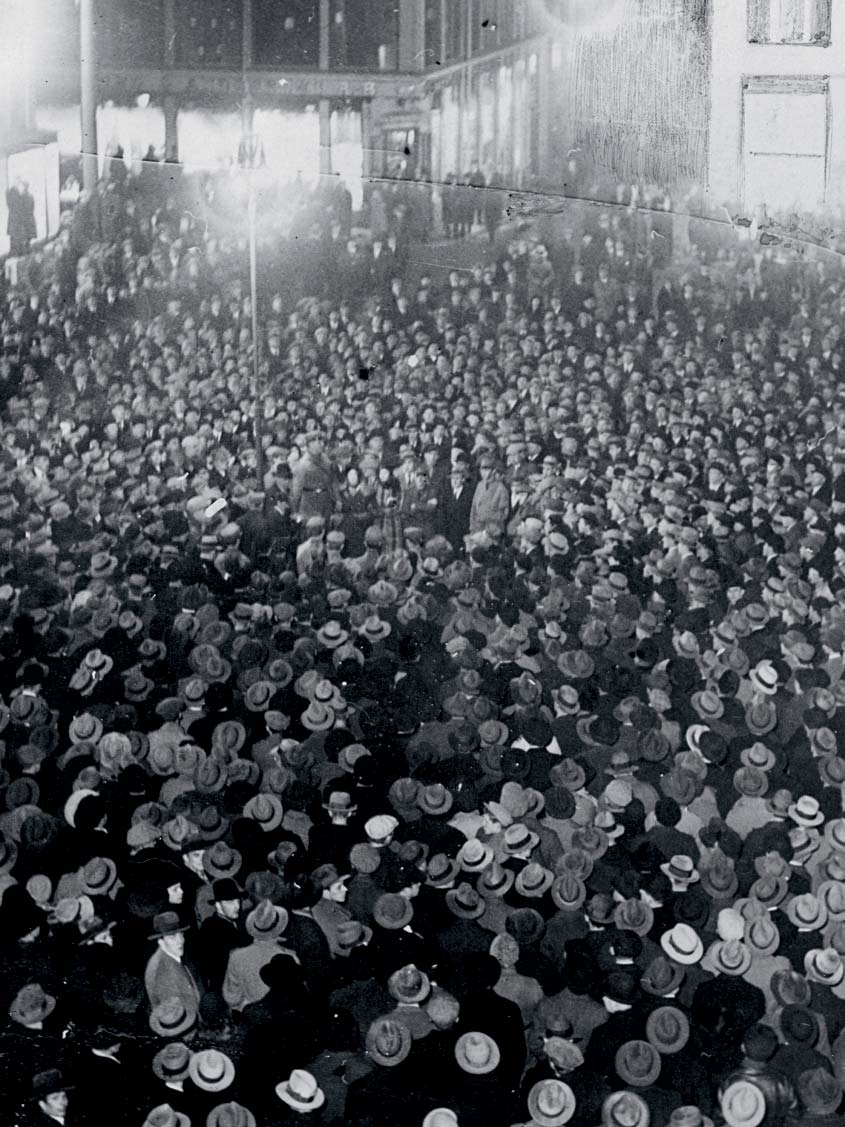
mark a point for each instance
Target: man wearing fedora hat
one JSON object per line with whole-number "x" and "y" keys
{"x": 757, "y": 1069}
{"x": 168, "y": 974}
{"x": 300, "y": 1100}
{"x": 50, "y": 1103}
{"x": 585, "y": 718}
{"x": 331, "y": 841}
{"x": 820, "y": 1095}
{"x": 328, "y": 910}
{"x": 110, "y": 1068}
{"x": 265, "y": 926}
{"x": 171, "y": 1067}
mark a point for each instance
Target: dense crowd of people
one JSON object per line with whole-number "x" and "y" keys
{"x": 470, "y": 756}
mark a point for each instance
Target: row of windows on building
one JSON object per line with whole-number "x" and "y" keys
{"x": 805, "y": 22}
{"x": 462, "y": 30}
{"x": 363, "y": 34}
{"x": 455, "y": 31}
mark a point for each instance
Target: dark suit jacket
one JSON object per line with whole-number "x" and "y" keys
{"x": 218, "y": 939}
{"x": 117, "y": 1084}
{"x": 453, "y": 515}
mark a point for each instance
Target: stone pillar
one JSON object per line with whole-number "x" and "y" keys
{"x": 411, "y": 34}
{"x": 88, "y": 94}
{"x": 247, "y": 114}
{"x": 325, "y": 137}
{"x": 325, "y": 31}
{"x": 171, "y": 134}
{"x": 443, "y": 4}
{"x": 544, "y": 119}
{"x": 494, "y": 162}
{"x": 247, "y": 107}
{"x": 169, "y": 32}
{"x": 367, "y": 137}
{"x": 513, "y": 175}
{"x": 460, "y": 89}
{"x": 246, "y": 44}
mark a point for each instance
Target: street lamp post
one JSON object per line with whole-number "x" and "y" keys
{"x": 251, "y": 160}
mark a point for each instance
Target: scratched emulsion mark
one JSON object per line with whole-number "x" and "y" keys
{"x": 638, "y": 91}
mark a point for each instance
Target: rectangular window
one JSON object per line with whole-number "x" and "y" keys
{"x": 785, "y": 142}
{"x": 433, "y": 32}
{"x": 454, "y": 29}
{"x": 797, "y": 22}
{"x": 208, "y": 33}
{"x": 285, "y": 33}
{"x": 372, "y": 34}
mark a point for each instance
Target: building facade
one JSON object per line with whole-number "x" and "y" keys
{"x": 744, "y": 96}
{"x": 355, "y": 87}
{"x": 777, "y": 103}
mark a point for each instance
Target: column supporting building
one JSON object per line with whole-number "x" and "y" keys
{"x": 247, "y": 114}
{"x": 513, "y": 173}
{"x": 495, "y": 161}
{"x": 171, "y": 132}
{"x": 325, "y": 137}
{"x": 544, "y": 80}
{"x": 88, "y": 94}
{"x": 246, "y": 41}
{"x": 366, "y": 137}
{"x": 325, "y": 32}
{"x": 169, "y": 33}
